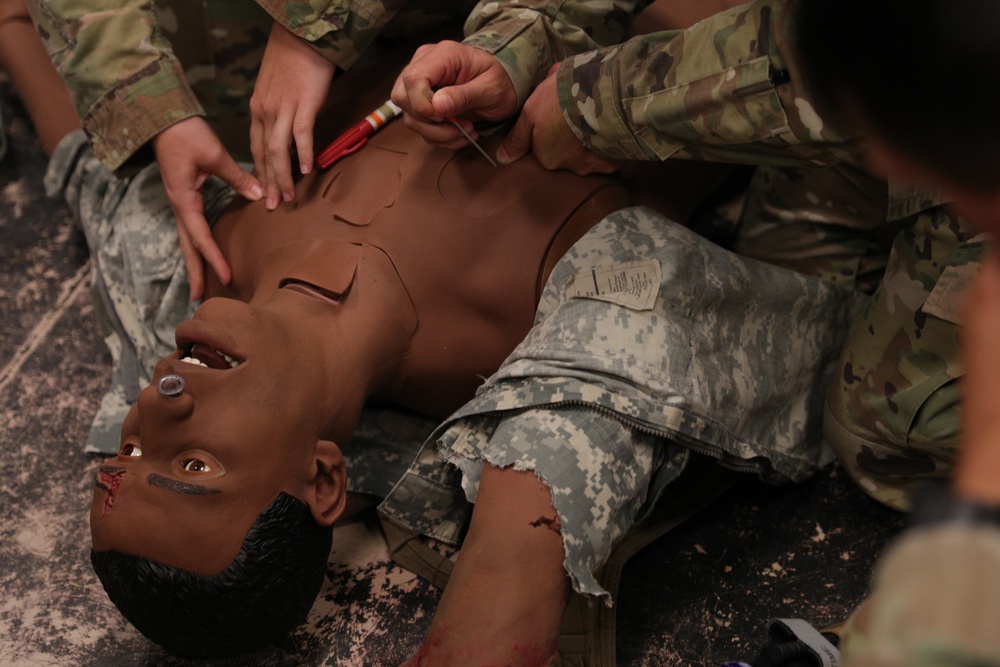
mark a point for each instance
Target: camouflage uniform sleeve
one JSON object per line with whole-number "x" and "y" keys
{"x": 125, "y": 81}
{"x": 529, "y": 36}
{"x": 339, "y": 30}
{"x": 727, "y": 89}
{"x": 933, "y": 601}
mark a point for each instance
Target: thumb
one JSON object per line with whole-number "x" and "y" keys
{"x": 476, "y": 95}
{"x": 517, "y": 143}
{"x": 241, "y": 180}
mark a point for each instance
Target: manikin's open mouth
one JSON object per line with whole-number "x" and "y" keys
{"x": 208, "y": 357}
{"x": 108, "y": 478}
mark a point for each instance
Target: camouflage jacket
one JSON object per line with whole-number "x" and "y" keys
{"x": 636, "y": 324}
{"x": 341, "y": 30}
{"x": 135, "y": 68}
{"x": 727, "y": 89}
{"x": 953, "y": 566}
{"x": 529, "y": 36}
{"x": 730, "y": 89}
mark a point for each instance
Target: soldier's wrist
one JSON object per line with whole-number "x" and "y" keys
{"x": 940, "y": 503}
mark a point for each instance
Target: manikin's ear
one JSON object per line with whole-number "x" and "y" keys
{"x": 327, "y": 492}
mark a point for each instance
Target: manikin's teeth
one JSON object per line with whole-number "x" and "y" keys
{"x": 233, "y": 363}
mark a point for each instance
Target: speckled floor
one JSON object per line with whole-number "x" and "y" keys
{"x": 698, "y": 596}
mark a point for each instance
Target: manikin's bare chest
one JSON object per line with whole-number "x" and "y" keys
{"x": 470, "y": 245}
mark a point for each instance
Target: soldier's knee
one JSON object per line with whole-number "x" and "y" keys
{"x": 890, "y": 447}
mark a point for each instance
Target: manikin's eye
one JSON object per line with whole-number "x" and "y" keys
{"x": 130, "y": 450}
{"x": 195, "y": 465}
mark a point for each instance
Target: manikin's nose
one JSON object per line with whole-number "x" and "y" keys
{"x": 166, "y": 399}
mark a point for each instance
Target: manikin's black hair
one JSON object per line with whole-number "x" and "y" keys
{"x": 924, "y": 74}
{"x": 265, "y": 593}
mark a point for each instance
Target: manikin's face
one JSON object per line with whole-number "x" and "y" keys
{"x": 194, "y": 470}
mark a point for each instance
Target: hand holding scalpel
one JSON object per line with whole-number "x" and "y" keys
{"x": 356, "y": 137}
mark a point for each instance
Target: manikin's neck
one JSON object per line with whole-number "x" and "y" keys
{"x": 352, "y": 347}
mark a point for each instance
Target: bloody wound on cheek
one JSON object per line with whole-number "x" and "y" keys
{"x": 108, "y": 478}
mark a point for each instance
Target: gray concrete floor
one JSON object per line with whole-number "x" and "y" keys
{"x": 698, "y": 596}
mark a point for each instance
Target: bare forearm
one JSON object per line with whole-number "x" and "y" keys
{"x": 505, "y": 601}
{"x": 39, "y": 86}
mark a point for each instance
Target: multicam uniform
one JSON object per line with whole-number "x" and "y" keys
{"x": 136, "y": 68}
{"x": 923, "y": 610}
{"x": 730, "y": 89}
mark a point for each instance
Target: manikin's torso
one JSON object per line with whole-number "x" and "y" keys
{"x": 471, "y": 244}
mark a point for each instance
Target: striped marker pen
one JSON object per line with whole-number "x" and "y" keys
{"x": 356, "y": 137}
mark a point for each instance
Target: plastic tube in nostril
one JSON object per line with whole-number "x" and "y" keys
{"x": 170, "y": 386}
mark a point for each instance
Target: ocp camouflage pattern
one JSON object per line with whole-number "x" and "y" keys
{"x": 730, "y": 89}
{"x": 140, "y": 67}
{"x": 893, "y": 411}
{"x": 341, "y": 30}
{"x": 727, "y": 89}
{"x": 137, "y": 68}
{"x": 529, "y": 36}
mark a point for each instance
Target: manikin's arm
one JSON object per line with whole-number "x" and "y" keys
{"x": 506, "y": 597}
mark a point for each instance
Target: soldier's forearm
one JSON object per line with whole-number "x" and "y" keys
{"x": 122, "y": 75}
{"x": 529, "y": 36}
{"x": 727, "y": 89}
{"x": 339, "y": 37}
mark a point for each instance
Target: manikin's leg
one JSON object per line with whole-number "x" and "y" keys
{"x": 23, "y": 57}
{"x": 505, "y": 600}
